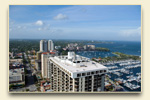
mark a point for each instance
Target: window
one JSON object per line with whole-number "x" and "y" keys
{"x": 90, "y": 76}
{"x": 92, "y": 72}
{"x": 88, "y": 73}
{"x": 78, "y": 75}
{"x": 97, "y": 72}
{"x": 83, "y": 74}
{"x": 101, "y": 71}
{"x": 78, "y": 61}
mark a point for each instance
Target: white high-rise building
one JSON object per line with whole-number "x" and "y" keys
{"x": 74, "y": 73}
{"x": 44, "y": 62}
{"x": 41, "y": 45}
{"x": 46, "y": 46}
{"x": 50, "y": 45}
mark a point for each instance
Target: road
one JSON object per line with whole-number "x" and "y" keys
{"x": 30, "y": 84}
{"x": 29, "y": 80}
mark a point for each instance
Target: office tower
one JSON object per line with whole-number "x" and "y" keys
{"x": 74, "y": 73}
{"x": 46, "y": 46}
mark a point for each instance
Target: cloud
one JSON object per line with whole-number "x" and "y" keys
{"x": 39, "y": 23}
{"x": 131, "y": 32}
{"x": 61, "y": 17}
{"x": 44, "y": 28}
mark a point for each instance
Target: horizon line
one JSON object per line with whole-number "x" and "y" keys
{"x": 75, "y": 39}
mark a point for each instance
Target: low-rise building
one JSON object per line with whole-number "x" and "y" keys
{"x": 45, "y": 86}
{"x": 16, "y": 75}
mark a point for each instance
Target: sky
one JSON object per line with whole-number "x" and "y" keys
{"x": 83, "y": 22}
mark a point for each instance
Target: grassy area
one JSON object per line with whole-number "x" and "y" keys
{"x": 125, "y": 56}
{"x": 102, "y": 49}
{"x": 120, "y": 56}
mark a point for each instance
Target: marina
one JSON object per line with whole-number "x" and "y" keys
{"x": 126, "y": 72}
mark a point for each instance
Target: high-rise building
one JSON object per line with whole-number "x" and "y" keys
{"x": 50, "y": 45}
{"x": 74, "y": 73}
{"x": 38, "y": 60}
{"x": 44, "y": 63}
{"x": 41, "y": 45}
{"x": 46, "y": 46}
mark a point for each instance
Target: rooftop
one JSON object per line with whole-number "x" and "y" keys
{"x": 15, "y": 75}
{"x": 48, "y": 53}
{"x": 16, "y": 71}
{"x": 75, "y": 63}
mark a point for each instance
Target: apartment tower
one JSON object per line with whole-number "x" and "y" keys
{"x": 46, "y": 46}
{"x": 74, "y": 73}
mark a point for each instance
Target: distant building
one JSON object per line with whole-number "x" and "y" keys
{"x": 74, "y": 73}
{"x": 46, "y": 46}
{"x": 32, "y": 56}
{"x": 38, "y": 60}
{"x": 16, "y": 75}
{"x": 19, "y": 55}
{"x": 85, "y": 47}
{"x": 57, "y": 47}
{"x": 50, "y": 45}
{"x": 72, "y": 46}
{"x": 38, "y": 65}
{"x": 44, "y": 62}
{"x": 38, "y": 55}
{"x": 79, "y": 48}
{"x": 45, "y": 86}
{"x": 15, "y": 62}
{"x": 91, "y": 46}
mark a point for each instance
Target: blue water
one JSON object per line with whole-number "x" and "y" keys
{"x": 127, "y": 47}
{"x": 123, "y": 76}
{"x": 131, "y": 48}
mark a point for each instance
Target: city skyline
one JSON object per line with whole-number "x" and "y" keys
{"x": 98, "y": 22}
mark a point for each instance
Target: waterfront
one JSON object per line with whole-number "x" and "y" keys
{"x": 128, "y": 72}
{"x": 126, "y": 47}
